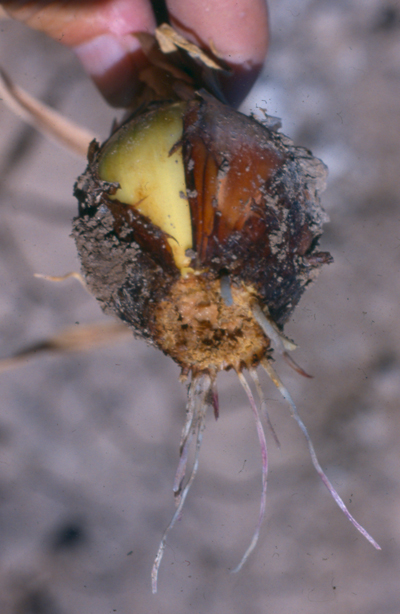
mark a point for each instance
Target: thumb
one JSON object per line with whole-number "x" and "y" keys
{"x": 100, "y": 33}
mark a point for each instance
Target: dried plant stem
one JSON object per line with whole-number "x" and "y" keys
{"x": 264, "y": 456}
{"x": 197, "y": 399}
{"x": 71, "y": 339}
{"x": 294, "y": 413}
{"x": 53, "y": 125}
{"x": 60, "y": 278}
{"x": 169, "y": 41}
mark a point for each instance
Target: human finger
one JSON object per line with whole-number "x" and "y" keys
{"x": 238, "y": 29}
{"x": 100, "y": 33}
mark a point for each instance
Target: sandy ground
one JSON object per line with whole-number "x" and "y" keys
{"x": 89, "y": 442}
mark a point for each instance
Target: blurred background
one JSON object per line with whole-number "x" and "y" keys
{"x": 89, "y": 442}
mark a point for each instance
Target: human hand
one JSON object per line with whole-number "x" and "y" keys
{"x": 100, "y": 33}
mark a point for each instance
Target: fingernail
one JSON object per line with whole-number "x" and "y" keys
{"x": 237, "y": 85}
{"x": 114, "y": 64}
{"x": 100, "y": 54}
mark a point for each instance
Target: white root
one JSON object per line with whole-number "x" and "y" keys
{"x": 226, "y": 291}
{"x": 281, "y": 344}
{"x": 186, "y": 439}
{"x": 294, "y": 413}
{"x": 263, "y": 403}
{"x": 198, "y": 394}
{"x": 264, "y": 456}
